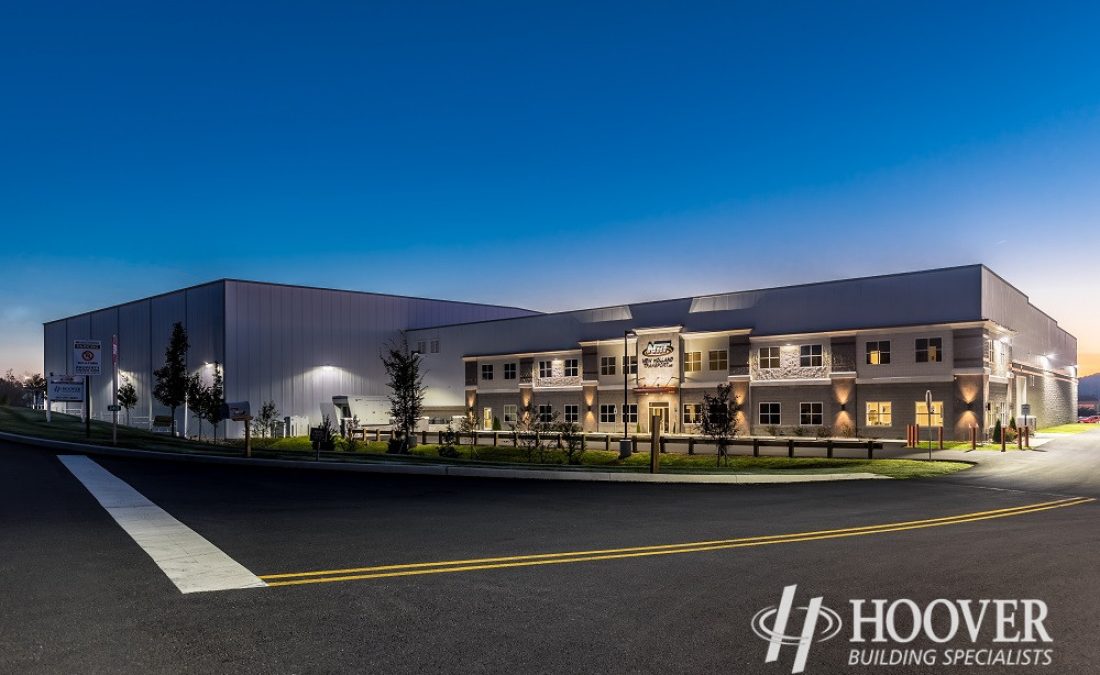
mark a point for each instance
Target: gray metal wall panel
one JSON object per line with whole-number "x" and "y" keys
{"x": 1037, "y": 333}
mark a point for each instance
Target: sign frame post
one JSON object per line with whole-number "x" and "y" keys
{"x": 114, "y": 390}
{"x": 87, "y": 359}
{"x": 928, "y": 409}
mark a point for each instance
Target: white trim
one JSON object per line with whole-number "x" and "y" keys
{"x": 790, "y": 382}
{"x": 551, "y": 353}
{"x": 703, "y": 334}
{"x": 901, "y": 379}
{"x": 514, "y": 390}
{"x": 702, "y": 384}
{"x": 572, "y": 387}
{"x": 842, "y": 374}
{"x": 658, "y": 329}
{"x": 738, "y": 378}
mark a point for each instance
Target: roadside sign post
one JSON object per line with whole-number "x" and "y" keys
{"x": 114, "y": 390}
{"x": 87, "y": 361}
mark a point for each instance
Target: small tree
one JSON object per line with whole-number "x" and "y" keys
{"x": 468, "y": 425}
{"x": 573, "y": 441}
{"x": 215, "y": 399}
{"x": 406, "y": 385}
{"x": 127, "y": 398}
{"x": 719, "y": 422}
{"x": 198, "y": 399}
{"x": 172, "y": 381}
{"x": 533, "y": 430}
{"x": 265, "y": 422}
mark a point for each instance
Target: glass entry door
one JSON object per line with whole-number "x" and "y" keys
{"x": 660, "y": 409}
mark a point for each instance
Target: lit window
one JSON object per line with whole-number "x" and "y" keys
{"x": 693, "y": 412}
{"x": 878, "y": 353}
{"x": 607, "y": 413}
{"x": 811, "y": 414}
{"x": 546, "y": 369}
{"x": 718, "y": 359}
{"x": 936, "y": 420}
{"x": 546, "y": 413}
{"x": 630, "y": 413}
{"x": 693, "y": 362}
{"x": 572, "y": 412}
{"x": 510, "y": 414}
{"x": 487, "y": 371}
{"x": 607, "y": 365}
{"x": 879, "y": 414}
{"x": 509, "y": 371}
{"x": 929, "y": 350}
{"x": 770, "y": 414}
{"x": 769, "y": 357}
{"x": 630, "y": 365}
{"x": 572, "y": 368}
{"x": 809, "y": 356}
{"x": 435, "y": 346}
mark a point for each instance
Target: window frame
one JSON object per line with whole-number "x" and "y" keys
{"x": 765, "y": 362}
{"x": 777, "y": 413}
{"x": 630, "y": 413}
{"x": 693, "y": 362}
{"x": 881, "y": 349}
{"x": 547, "y": 416}
{"x": 514, "y": 415}
{"x": 546, "y": 370}
{"x": 811, "y": 356}
{"x": 803, "y": 414}
{"x": 922, "y": 417}
{"x": 608, "y": 413}
{"x": 571, "y": 368}
{"x": 718, "y": 360}
{"x": 933, "y": 346}
{"x": 510, "y": 370}
{"x": 696, "y": 416}
{"x": 486, "y": 372}
{"x": 630, "y": 365}
{"x": 576, "y": 413}
{"x": 883, "y": 410}
{"x": 608, "y": 366}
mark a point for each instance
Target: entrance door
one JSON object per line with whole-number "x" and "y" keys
{"x": 487, "y": 419}
{"x": 660, "y": 409}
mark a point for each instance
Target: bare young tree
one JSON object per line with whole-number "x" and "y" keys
{"x": 172, "y": 381}
{"x": 719, "y": 422}
{"x": 127, "y": 398}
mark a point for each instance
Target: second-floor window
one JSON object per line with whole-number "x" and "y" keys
{"x": 509, "y": 371}
{"x": 929, "y": 350}
{"x": 486, "y": 371}
{"x": 878, "y": 353}
{"x": 693, "y": 362}
{"x": 718, "y": 359}
{"x": 809, "y": 356}
{"x": 769, "y": 357}
{"x": 572, "y": 368}
{"x": 607, "y": 365}
{"x": 546, "y": 369}
{"x": 630, "y": 365}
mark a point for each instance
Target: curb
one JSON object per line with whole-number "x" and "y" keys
{"x": 446, "y": 470}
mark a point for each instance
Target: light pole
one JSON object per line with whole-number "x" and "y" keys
{"x": 624, "y": 446}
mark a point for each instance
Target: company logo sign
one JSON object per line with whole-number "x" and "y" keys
{"x": 960, "y": 629}
{"x": 658, "y": 348}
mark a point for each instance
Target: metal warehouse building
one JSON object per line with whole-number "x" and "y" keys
{"x": 853, "y": 356}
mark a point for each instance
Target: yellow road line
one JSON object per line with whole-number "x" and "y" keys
{"x": 385, "y": 571}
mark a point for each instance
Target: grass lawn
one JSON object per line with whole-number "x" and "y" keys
{"x": 69, "y": 428}
{"x": 1074, "y": 428}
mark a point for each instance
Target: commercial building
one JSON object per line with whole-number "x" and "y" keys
{"x": 854, "y": 356}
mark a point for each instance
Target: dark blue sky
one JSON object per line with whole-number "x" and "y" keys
{"x": 543, "y": 155}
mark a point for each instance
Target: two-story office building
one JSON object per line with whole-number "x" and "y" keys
{"x": 855, "y": 356}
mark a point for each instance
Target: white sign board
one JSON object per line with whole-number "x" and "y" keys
{"x": 87, "y": 357}
{"x": 65, "y": 389}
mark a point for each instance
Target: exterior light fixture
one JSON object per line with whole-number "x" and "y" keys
{"x": 326, "y": 368}
{"x": 843, "y": 407}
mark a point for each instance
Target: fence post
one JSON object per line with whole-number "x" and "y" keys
{"x": 424, "y": 437}
{"x": 607, "y": 442}
{"x": 829, "y": 448}
{"x": 440, "y": 437}
{"x": 940, "y": 432}
{"x": 559, "y": 440}
{"x": 756, "y": 447}
{"x": 1027, "y": 437}
{"x": 1003, "y": 448}
{"x": 870, "y": 449}
{"x": 973, "y": 437}
{"x": 663, "y": 449}
{"x": 377, "y": 435}
{"x": 1019, "y": 439}
{"x": 584, "y": 442}
{"x": 634, "y": 444}
{"x": 691, "y": 445}
{"x": 790, "y": 447}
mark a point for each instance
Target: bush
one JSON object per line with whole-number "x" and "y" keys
{"x": 997, "y": 432}
{"x": 845, "y": 431}
{"x": 448, "y": 451}
{"x": 824, "y": 431}
{"x": 772, "y": 430}
{"x": 798, "y": 431}
{"x": 496, "y": 424}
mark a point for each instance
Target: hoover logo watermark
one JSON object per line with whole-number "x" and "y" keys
{"x": 963, "y": 632}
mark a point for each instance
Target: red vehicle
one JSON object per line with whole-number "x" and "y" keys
{"x": 1095, "y": 419}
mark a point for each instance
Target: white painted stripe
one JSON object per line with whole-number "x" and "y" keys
{"x": 192, "y": 563}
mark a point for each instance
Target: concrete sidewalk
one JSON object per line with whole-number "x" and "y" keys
{"x": 428, "y": 469}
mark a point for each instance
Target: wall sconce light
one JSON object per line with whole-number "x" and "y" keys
{"x": 588, "y": 408}
{"x": 970, "y": 406}
{"x": 843, "y": 407}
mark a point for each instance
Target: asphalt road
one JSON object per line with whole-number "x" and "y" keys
{"x": 78, "y": 595}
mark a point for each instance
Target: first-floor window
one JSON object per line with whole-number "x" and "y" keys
{"x": 811, "y": 414}
{"x": 936, "y": 419}
{"x": 510, "y": 414}
{"x": 572, "y": 412}
{"x": 546, "y": 413}
{"x": 630, "y": 413}
{"x": 770, "y": 414}
{"x": 607, "y": 413}
{"x": 879, "y": 414}
{"x": 486, "y": 371}
{"x": 693, "y": 413}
